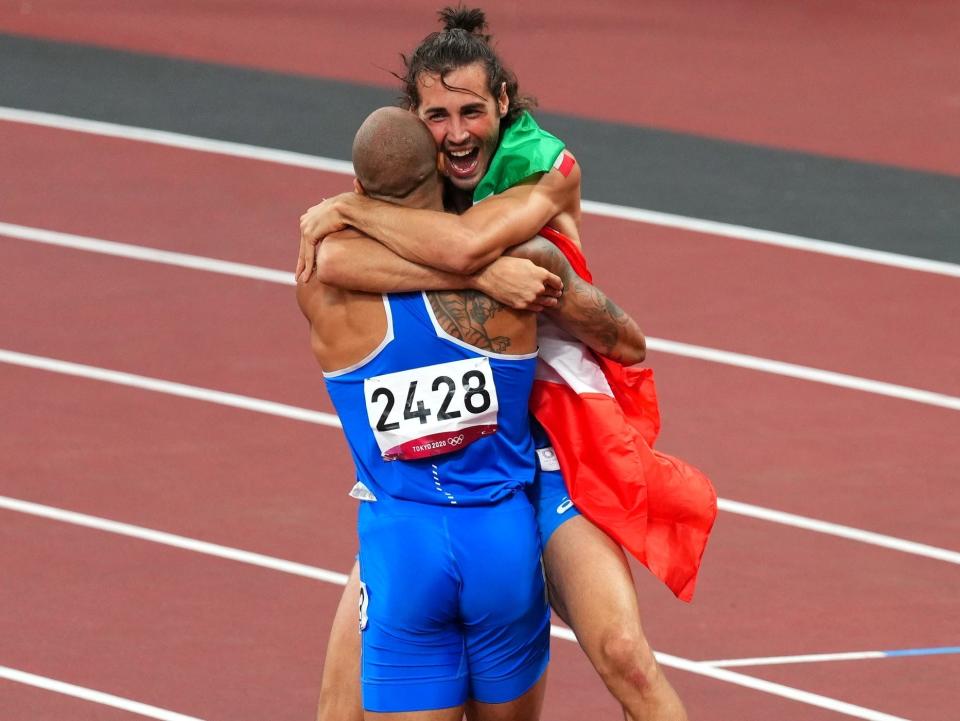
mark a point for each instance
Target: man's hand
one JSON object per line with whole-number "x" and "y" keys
{"x": 519, "y": 284}
{"x": 316, "y": 224}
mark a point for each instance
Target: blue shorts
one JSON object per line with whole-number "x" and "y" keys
{"x": 453, "y": 604}
{"x": 548, "y": 492}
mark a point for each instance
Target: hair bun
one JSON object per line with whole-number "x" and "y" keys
{"x": 461, "y": 18}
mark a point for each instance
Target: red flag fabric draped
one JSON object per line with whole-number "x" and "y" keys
{"x": 603, "y": 420}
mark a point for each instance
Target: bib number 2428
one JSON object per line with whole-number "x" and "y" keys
{"x": 430, "y": 410}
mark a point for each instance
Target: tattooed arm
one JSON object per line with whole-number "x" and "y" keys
{"x": 584, "y": 310}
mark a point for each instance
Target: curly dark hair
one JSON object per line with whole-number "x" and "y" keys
{"x": 461, "y": 42}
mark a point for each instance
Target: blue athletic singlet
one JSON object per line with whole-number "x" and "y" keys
{"x": 458, "y": 413}
{"x": 453, "y": 602}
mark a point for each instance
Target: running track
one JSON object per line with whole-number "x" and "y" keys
{"x": 214, "y": 638}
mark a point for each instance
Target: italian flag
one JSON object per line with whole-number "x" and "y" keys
{"x": 603, "y": 419}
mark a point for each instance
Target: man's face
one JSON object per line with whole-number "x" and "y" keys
{"x": 465, "y": 125}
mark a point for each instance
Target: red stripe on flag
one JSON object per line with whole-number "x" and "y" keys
{"x": 566, "y": 164}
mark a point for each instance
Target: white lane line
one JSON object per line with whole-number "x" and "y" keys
{"x": 772, "y": 237}
{"x": 816, "y": 375}
{"x": 169, "y": 387}
{"x": 807, "y": 658}
{"x": 104, "y": 699}
{"x": 330, "y": 420}
{"x": 776, "y": 689}
{"x": 150, "y": 255}
{"x": 835, "y": 529}
{"x": 695, "y": 667}
{"x": 271, "y": 275}
{"x": 176, "y": 140}
{"x": 651, "y": 217}
{"x": 170, "y": 539}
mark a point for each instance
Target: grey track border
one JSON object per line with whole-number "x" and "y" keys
{"x": 860, "y": 204}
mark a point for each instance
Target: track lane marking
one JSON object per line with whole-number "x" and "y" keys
{"x": 806, "y": 373}
{"x": 608, "y": 210}
{"x": 87, "y": 694}
{"x": 827, "y": 657}
{"x": 184, "y": 543}
{"x": 170, "y": 539}
{"x": 330, "y": 420}
{"x": 806, "y": 658}
{"x": 838, "y": 530}
{"x": 172, "y": 388}
{"x": 144, "y": 253}
{"x": 662, "y": 345}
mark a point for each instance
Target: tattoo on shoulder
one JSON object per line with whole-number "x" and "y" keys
{"x": 464, "y": 315}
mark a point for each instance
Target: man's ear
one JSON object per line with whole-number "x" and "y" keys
{"x": 441, "y": 163}
{"x": 503, "y": 101}
{"x": 358, "y": 187}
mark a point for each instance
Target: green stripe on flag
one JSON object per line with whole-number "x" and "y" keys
{"x": 525, "y": 149}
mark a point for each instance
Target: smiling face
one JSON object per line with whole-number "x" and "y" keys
{"x": 464, "y": 122}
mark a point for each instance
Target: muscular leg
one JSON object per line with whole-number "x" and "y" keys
{"x": 340, "y": 698}
{"x": 591, "y": 587}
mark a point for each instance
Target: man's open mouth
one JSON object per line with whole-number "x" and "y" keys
{"x": 463, "y": 163}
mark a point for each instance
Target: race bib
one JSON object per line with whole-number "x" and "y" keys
{"x": 432, "y": 410}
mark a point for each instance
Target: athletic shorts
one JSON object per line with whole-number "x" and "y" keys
{"x": 548, "y": 492}
{"x": 453, "y": 604}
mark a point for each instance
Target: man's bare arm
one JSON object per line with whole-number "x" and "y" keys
{"x": 584, "y": 310}
{"x": 461, "y": 244}
{"x": 358, "y": 263}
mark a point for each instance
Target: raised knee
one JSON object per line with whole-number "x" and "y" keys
{"x": 625, "y": 657}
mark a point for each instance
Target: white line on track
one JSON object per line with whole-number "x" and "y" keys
{"x": 176, "y": 140}
{"x": 170, "y": 539}
{"x": 330, "y": 165}
{"x": 169, "y": 387}
{"x": 695, "y": 667}
{"x": 807, "y": 658}
{"x": 827, "y": 657}
{"x": 328, "y": 419}
{"x": 772, "y": 237}
{"x": 149, "y": 255}
{"x": 712, "y": 355}
{"x": 104, "y": 699}
{"x": 835, "y": 529}
{"x": 816, "y": 375}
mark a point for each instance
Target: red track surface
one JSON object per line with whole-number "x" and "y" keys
{"x": 866, "y": 80}
{"x": 218, "y": 639}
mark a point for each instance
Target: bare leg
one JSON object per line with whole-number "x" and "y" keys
{"x": 340, "y": 698}
{"x": 525, "y": 708}
{"x": 591, "y": 587}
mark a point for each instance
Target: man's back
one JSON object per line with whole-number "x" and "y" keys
{"x": 418, "y": 376}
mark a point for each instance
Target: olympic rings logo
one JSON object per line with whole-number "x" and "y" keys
{"x": 456, "y": 440}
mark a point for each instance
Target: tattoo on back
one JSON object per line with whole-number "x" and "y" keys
{"x": 464, "y": 315}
